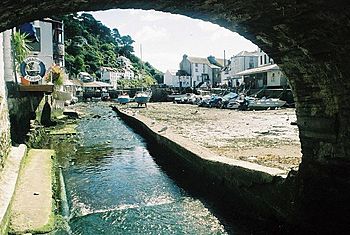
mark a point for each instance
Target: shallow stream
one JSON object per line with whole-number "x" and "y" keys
{"x": 115, "y": 186}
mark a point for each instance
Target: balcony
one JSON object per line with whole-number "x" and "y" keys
{"x": 46, "y": 88}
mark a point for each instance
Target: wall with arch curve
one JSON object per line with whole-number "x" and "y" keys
{"x": 307, "y": 39}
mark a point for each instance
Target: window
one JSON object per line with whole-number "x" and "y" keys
{"x": 196, "y": 64}
{"x": 261, "y": 60}
{"x": 273, "y": 77}
{"x": 265, "y": 59}
{"x": 36, "y": 46}
{"x": 196, "y": 70}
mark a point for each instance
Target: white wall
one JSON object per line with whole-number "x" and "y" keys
{"x": 4, "y": 115}
{"x": 8, "y": 60}
{"x": 2, "y": 70}
{"x": 170, "y": 79}
{"x": 276, "y": 78}
{"x": 264, "y": 59}
{"x": 46, "y": 44}
{"x": 273, "y": 78}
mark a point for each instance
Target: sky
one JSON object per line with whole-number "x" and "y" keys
{"x": 166, "y": 37}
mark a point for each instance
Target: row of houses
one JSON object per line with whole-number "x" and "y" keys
{"x": 254, "y": 70}
{"x": 112, "y": 75}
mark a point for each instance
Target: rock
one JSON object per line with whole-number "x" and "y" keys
{"x": 71, "y": 114}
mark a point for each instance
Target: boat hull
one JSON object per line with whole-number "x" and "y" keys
{"x": 266, "y": 104}
{"x": 123, "y": 100}
{"x": 142, "y": 99}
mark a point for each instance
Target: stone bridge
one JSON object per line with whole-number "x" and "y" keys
{"x": 307, "y": 39}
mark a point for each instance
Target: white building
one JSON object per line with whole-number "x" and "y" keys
{"x": 50, "y": 45}
{"x": 112, "y": 75}
{"x": 170, "y": 78}
{"x": 201, "y": 70}
{"x": 264, "y": 59}
{"x": 238, "y": 63}
{"x": 47, "y": 49}
{"x": 127, "y": 73}
{"x": 267, "y": 74}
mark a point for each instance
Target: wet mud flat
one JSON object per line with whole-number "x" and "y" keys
{"x": 263, "y": 137}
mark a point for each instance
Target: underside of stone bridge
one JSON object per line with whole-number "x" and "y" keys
{"x": 307, "y": 39}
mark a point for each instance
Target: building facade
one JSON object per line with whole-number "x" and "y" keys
{"x": 201, "y": 71}
{"x": 238, "y": 63}
{"x": 170, "y": 78}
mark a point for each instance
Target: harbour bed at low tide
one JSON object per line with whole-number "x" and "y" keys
{"x": 263, "y": 137}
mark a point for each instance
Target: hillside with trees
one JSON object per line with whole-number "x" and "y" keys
{"x": 90, "y": 44}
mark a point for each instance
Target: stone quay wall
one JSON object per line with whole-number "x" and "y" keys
{"x": 261, "y": 194}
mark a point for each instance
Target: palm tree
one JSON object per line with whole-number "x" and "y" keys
{"x": 20, "y": 46}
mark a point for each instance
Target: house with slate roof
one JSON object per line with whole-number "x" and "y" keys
{"x": 201, "y": 71}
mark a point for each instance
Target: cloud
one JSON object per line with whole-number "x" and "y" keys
{"x": 151, "y": 33}
{"x": 151, "y": 16}
{"x": 223, "y": 34}
{"x": 207, "y": 26}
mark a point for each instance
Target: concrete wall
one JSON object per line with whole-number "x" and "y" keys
{"x": 4, "y": 117}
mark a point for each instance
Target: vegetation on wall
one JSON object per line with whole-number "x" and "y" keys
{"x": 90, "y": 45}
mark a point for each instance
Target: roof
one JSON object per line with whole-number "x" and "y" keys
{"x": 214, "y": 66}
{"x": 182, "y": 73}
{"x": 97, "y": 84}
{"x": 247, "y": 53}
{"x": 84, "y": 74}
{"x": 109, "y": 69}
{"x": 76, "y": 82}
{"x": 260, "y": 69}
{"x": 199, "y": 60}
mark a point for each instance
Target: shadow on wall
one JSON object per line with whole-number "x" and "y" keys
{"x": 22, "y": 109}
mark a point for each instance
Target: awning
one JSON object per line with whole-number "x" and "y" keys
{"x": 261, "y": 69}
{"x": 29, "y": 29}
{"x": 97, "y": 84}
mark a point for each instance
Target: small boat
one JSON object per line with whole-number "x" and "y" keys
{"x": 105, "y": 96}
{"x": 123, "y": 99}
{"x": 264, "y": 103}
{"x": 142, "y": 97}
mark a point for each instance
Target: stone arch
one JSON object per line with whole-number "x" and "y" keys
{"x": 307, "y": 39}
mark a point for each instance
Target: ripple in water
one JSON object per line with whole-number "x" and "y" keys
{"x": 115, "y": 187}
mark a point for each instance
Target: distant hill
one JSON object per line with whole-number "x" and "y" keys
{"x": 90, "y": 45}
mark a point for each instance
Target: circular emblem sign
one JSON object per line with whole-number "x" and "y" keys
{"x": 32, "y": 69}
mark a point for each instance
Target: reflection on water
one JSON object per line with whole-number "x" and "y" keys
{"x": 114, "y": 185}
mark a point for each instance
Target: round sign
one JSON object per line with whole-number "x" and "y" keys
{"x": 32, "y": 69}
